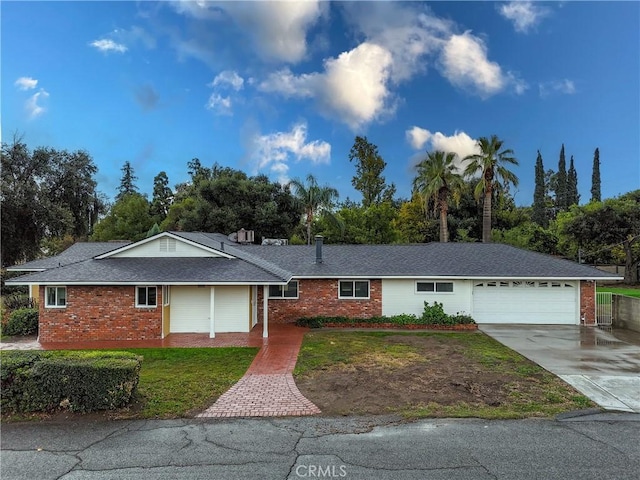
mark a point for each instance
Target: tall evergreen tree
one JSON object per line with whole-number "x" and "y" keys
{"x": 561, "y": 183}
{"x": 539, "y": 214}
{"x": 162, "y": 197}
{"x": 127, "y": 181}
{"x": 573, "y": 197}
{"x": 596, "y": 195}
{"x": 369, "y": 167}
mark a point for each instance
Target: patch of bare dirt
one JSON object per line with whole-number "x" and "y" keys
{"x": 439, "y": 372}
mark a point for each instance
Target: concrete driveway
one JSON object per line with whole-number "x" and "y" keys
{"x": 603, "y": 365}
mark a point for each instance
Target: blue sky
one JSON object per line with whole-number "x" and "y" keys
{"x": 284, "y": 88}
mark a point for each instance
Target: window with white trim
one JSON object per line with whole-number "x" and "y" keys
{"x": 290, "y": 290}
{"x": 434, "y": 287}
{"x": 353, "y": 289}
{"x": 55, "y": 297}
{"x": 166, "y": 295}
{"x": 146, "y": 297}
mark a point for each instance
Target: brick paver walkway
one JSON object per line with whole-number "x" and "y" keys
{"x": 268, "y": 388}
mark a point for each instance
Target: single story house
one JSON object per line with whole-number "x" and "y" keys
{"x": 204, "y": 282}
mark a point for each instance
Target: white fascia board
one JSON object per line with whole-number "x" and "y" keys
{"x": 164, "y": 234}
{"x": 101, "y": 284}
{"x": 17, "y": 269}
{"x": 447, "y": 277}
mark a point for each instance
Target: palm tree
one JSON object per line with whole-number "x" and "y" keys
{"x": 490, "y": 163}
{"x": 313, "y": 198}
{"x": 438, "y": 178}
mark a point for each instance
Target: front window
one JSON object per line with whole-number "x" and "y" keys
{"x": 56, "y": 297}
{"x": 146, "y": 297}
{"x": 289, "y": 290}
{"x": 437, "y": 287}
{"x": 353, "y": 289}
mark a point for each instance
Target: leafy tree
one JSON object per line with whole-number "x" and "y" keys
{"x": 413, "y": 223}
{"x": 127, "y": 181}
{"x": 437, "y": 178}
{"x": 529, "y": 236}
{"x": 599, "y": 228}
{"x": 313, "y": 199}
{"x": 128, "y": 219}
{"x": 361, "y": 225}
{"x": 596, "y": 196}
{"x": 491, "y": 165}
{"x": 539, "y": 214}
{"x": 369, "y": 167}
{"x": 162, "y": 197}
{"x": 573, "y": 197}
{"x": 561, "y": 183}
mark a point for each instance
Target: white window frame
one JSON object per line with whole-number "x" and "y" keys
{"x": 354, "y": 297}
{"x": 435, "y": 287}
{"x": 282, "y": 289}
{"x": 166, "y": 295}
{"x": 46, "y": 297}
{"x": 147, "y": 287}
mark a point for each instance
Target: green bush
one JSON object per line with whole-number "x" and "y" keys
{"x": 23, "y": 321}
{"x": 435, "y": 315}
{"x": 16, "y": 301}
{"x": 78, "y": 380}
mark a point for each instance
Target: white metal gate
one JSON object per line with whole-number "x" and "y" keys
{"x": 604, "y": 308}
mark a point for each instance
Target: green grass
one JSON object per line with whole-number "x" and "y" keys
{"x": 628, "y": 291}
{"x": 177, "y": 382}
{"x": 532, "y": 391}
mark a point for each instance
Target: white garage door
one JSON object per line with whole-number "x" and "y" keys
{"x": 190, "y": 309}
{"x": 535, "y": 302}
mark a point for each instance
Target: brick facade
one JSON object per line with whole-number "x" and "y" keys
{"x": 100, "y": 313}
{"x": 320, "y": 297}
{"x": 587, "y": 302}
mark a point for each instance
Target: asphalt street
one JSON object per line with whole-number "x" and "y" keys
{"x": 597, "y": 446}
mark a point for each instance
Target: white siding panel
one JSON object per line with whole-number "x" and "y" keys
{"x": 532, "y": 305}
{"x": 189, "y": 309}
{"x": 152, "y": 249}
{"x": 232, "y": 309}
{"x": 400, "y": 296}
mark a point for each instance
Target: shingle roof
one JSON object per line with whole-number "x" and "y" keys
{"x": 424, "y": 260}
{"x": 154, "y": 270}
{"x": 77, "y": 252}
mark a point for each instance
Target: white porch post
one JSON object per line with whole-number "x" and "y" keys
{"x": 212, "y": 315}
{"x": 265, "y": 311}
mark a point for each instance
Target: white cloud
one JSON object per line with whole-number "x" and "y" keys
{"x": 219, "y": 104}
{"x": 228, "y": 78}
{"x": 274, "y": 151}
{"x": 565, "y": 86}
{"x": 278, "y": 29}
{"x": 465, "y": 64}
{"x": 524, "y": 14}
{"x": 353, "y": 87}
{"x": 459, "y": 143}
{"x": 33, "y": 107}
{"x": 108, "y": 45}
{"x": 26, "y": 83}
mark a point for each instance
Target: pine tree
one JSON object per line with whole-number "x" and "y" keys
{"x": 561, "y": 183}
{"x": 539, "y": 214}
{"x": 596, "y": 195}
{"x": 573, "y": 197}
{"x": 127, "y": 181}
{"x": 162, "y": 197}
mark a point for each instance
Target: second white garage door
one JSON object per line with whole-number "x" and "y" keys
{"x": 533, "y": 302}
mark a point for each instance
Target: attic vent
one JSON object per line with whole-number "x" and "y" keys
{"x": 167, "y": 244}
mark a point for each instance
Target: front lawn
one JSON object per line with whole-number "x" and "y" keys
{"x": 427, "y": 375}
{"x": 627, "y": 290}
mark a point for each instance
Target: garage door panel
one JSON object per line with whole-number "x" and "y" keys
{"x": 190, "y": 310}
{"x": 535, "y": 303}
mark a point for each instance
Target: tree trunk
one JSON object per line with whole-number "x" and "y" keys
{"x": 630, "y": 266}
{"x": 309, "y": 222}
{"x": 444, "y": 228}
{"x": 486, "y": 216}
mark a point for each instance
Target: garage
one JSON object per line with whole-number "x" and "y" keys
{"x": 190, "y": 309}
{"x": 526, "y": 301}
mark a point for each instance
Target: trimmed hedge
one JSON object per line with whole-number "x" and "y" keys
{"x": 23, "y": 321}
{"x": 432, "y": 315}
{"x": 81, "y": 381}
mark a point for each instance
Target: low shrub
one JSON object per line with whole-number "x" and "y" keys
{"x": 23, "y": 321}
{"x": 80, "y": 381}
{"x": 17, "y": 301}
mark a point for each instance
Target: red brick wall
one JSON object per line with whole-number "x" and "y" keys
{"x": 587, "y": 302}
{"x": 100, "y": 313}
{"x": 320, "y": 297}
